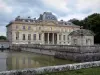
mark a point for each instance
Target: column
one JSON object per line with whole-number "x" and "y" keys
{"x": 52, "y": 38}
{"x": 42, "y": 38}
{"x": 48, "y": 38}
{"x": 57, "y": 38}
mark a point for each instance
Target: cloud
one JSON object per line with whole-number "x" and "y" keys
{"x": 63, "y": 9}
{"x": 3, "y": 30}
{"x": 4, "y": 7}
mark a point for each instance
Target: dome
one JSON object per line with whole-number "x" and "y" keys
{"x": 82, "y": 32}
{"x": 47, "y": 16}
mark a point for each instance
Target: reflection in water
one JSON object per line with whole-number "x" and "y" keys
{"x": 29, "y": 60}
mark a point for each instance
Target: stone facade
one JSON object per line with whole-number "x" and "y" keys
{"x": 44, "y": 30}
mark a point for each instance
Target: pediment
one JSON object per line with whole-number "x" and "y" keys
{"x": 51, "y": 23}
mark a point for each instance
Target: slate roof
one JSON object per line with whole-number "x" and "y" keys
{"x": 82, "y": 32}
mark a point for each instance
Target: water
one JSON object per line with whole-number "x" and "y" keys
{"x": 23, "y": 60}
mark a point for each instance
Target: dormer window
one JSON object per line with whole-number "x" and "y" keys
{"x": 26, "y": 20}
{"x": 65, "y": 23}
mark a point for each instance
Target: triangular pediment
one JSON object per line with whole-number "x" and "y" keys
{"x": 51, "y": 23}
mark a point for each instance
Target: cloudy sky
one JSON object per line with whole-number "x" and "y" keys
{"x": 63, "y": 9}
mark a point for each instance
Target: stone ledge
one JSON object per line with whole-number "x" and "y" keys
{"x": 49, "y": 69}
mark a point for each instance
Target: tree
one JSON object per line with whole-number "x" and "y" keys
{"x": 3, "y": 38}
{"x": 91, "y": 22}
{"x": 77, "y": 22}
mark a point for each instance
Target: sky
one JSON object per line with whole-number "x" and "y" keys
{"x": 63, "y": 9}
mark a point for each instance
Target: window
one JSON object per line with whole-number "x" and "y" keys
{"x": 67, "y": 30}
{"x": 59, "y": 37}
{"x": 17, "y": 35}
{"x": 34, "y": 37}
{"x": 29, "y": 36}
{"x": 29, "y": 27}
{"x": 88, "y": 41}
{"x": 23, "y": 27}
{"x": 39, "y": 28}
{"x": 64, "y": 37}
{"x": 16, "y": 27}
{"x": 23, "y": 36}
{"x": 75, "y": 41}
{"x": 39, "y": 36}
{"x": 68, "y": 38}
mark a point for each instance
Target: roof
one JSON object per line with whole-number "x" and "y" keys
{"x": 82, "y": 32}
{"x": 47, "y": 16}
{"x": 66, "y": 23}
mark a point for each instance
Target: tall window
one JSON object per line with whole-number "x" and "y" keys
{"x": 39, "y": 36}
{"x": 59, "y": 37}
{"x": 29, "y": 27}
{"x": 16, "y": 27}
{"x": 23, "y": 27}
{"x": 17, "y": 35}
{"x": 64, "y": 37}
{"x": 29, "y": 36}
{"x": 34, "y": 36}
{"x": 23, "y": 36}
{"x": 68, "y": 38}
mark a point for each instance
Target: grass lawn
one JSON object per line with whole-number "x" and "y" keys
{"x": 89, "y": 71}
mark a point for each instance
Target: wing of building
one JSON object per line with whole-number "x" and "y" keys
{"x": 44, "y": 30}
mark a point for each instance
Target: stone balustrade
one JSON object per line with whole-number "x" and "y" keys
{"x": 49, "y": 69}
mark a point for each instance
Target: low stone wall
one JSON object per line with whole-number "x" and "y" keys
{"x": 78, "y": 57}
{"x": 50, "y": 69}
{"x": 40, "y": 51}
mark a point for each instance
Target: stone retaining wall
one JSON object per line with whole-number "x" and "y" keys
{"x": 76, "y": 53}
{"x": 50, "y": 69}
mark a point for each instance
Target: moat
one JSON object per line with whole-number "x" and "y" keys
{"x": 24, "y": 60}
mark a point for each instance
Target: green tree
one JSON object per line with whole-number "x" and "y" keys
{"x": 91, "y": 22}
{"x": 77, "y": 22}
{"x": 3, "y": 38}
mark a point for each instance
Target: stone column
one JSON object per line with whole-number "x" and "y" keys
{"x": 52, "y": 38}
{"x": 57, "y": 38}
{"x": 48, "y": 38}
{"x": 42, "y": 38}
